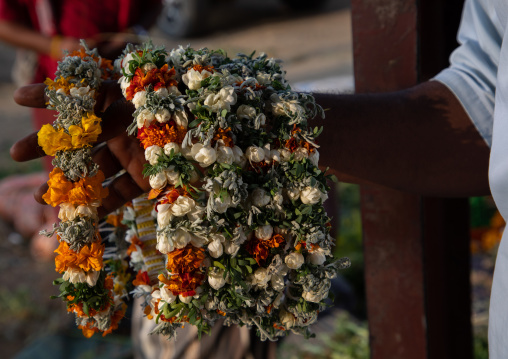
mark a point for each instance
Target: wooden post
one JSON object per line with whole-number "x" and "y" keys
{"x": 416, "y": 249}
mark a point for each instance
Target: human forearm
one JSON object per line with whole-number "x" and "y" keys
{"x": 418, "y": 140}
{"x": 24, "y": 37}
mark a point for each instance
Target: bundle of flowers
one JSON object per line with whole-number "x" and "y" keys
{"x": 233, "y": 166}
{"x": 75, "y": 184}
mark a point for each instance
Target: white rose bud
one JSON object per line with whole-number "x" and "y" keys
{"x": 164, "y": 217}
{"x": 264, "y": 232}
{"x": 294, "y": 260}
{"x": 173, "y": 177}
{"x": 287, "y": 319}
{"x": 79, "y": 92}
{"x": 317, "y": 257}
{"x": 86, "y": 211}
{"x": 310, "y": 195}
{"x": 222, "y": 100}
{"x": 293, "y": 193}
{"x": 197, "y": 241}
{"x": 231, "y": 248}
{"x": 275, "y": 155}
{"x": 164, "y": 243}
{"x": 255, "y": 154}
{"x": 239, "y": 158}
{"x": 215, "y": 249}
{"x": 301, "y": 153}
{"x": 152, "y": 154}
{"x": 145, "y": 118}
{"x": 205, "y": 156}
{"x": 260, "y": 197}
{"x": 91, "y": 278}
{"x": 313, "y": 296}
{"x": 314, "y": 157}
{"x": 74, "y": 275}
{"x": 171, "y": 146}
{"x": 185, "y": 300}
{"x": 216, "y": 278}
{"x": 261, "y": 277}
{"x": 277, "y": 282}
{"x": 193, "y": 78}
{"x": 196, "y": 213}
{"x": 180, "y": 118}
{"x": 173, "y": 90}
{"x": 182, "y": 206}
{"x": 163, "y": 115}
{"x": 181, "y": 238}
{"x": 139, "y": 99}
{"x": 246, "y": 112}
{"x": 225, "y": 155}
{"x": 149, "y": 66}
{"x": 162, "y": 92}
{"x": 124, "y": 84}
{"x": 67, "y": 212}
{"x": 263, "y": 78}
{"x": 285, "y": 154}
{"x": 187, "y": 152}
{"x": 158, "y": 180}
{"x": 167, "y": 295}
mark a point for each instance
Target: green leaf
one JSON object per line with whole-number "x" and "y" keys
{"x": 218, "y": 264}
{"x": 249, "y": 269}
{"x": 85, "y": 308}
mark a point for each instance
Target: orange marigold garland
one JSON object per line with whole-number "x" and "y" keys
{"x": 249, "y": 241}
{"x": 75, "y": 185}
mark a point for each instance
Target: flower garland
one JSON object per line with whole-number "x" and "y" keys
{"x": 90, "y": 291}
{"x": 233, "y": 166}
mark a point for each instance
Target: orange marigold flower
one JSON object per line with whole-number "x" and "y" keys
{"x": 88, "y": 258}
{"x": 158, "y": 78}
{"x": 259, "y": 249}
{"x": 142, "y": 278}
{"x": 200, "y": 68}
{"x": 185, "y": 260}
{"x": 161, "y": 133}
{"x": 225, "y": 136}
{"x": 86, "y": 191}
{"x": 115, "y": 219}
{"x": 87, "y": 330}
{"x": 184, "y": 284}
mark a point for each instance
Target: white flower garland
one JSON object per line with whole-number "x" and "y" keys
{"x": 249, "y": 240}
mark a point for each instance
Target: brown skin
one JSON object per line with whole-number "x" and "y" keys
{"x": 418, "y": 140}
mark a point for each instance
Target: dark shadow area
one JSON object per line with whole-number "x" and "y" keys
{"x": 195, "y": 18}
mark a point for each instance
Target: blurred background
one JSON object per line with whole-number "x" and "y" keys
{"x": 313, "y": 38}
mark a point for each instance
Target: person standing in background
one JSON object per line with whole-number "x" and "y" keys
{"x": 42, "y": 30}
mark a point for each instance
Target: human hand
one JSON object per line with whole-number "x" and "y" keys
{"x": 111, "y": 45}
{"x": 113, "y": 152}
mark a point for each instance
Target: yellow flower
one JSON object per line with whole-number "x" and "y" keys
{"x": 59, "y": 84}
{"x": 52, "y": 140}
{"x": 87, "y": 133}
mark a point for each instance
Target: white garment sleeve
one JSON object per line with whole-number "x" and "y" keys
{"x": 473, "y": 65}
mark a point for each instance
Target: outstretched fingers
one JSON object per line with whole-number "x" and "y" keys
{"x": 31, "y": 96}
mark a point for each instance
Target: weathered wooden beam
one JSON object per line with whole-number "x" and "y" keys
{"x": 418, "y": 300}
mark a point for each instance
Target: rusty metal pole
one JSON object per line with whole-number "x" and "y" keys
{"x": 418, "y": 302}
